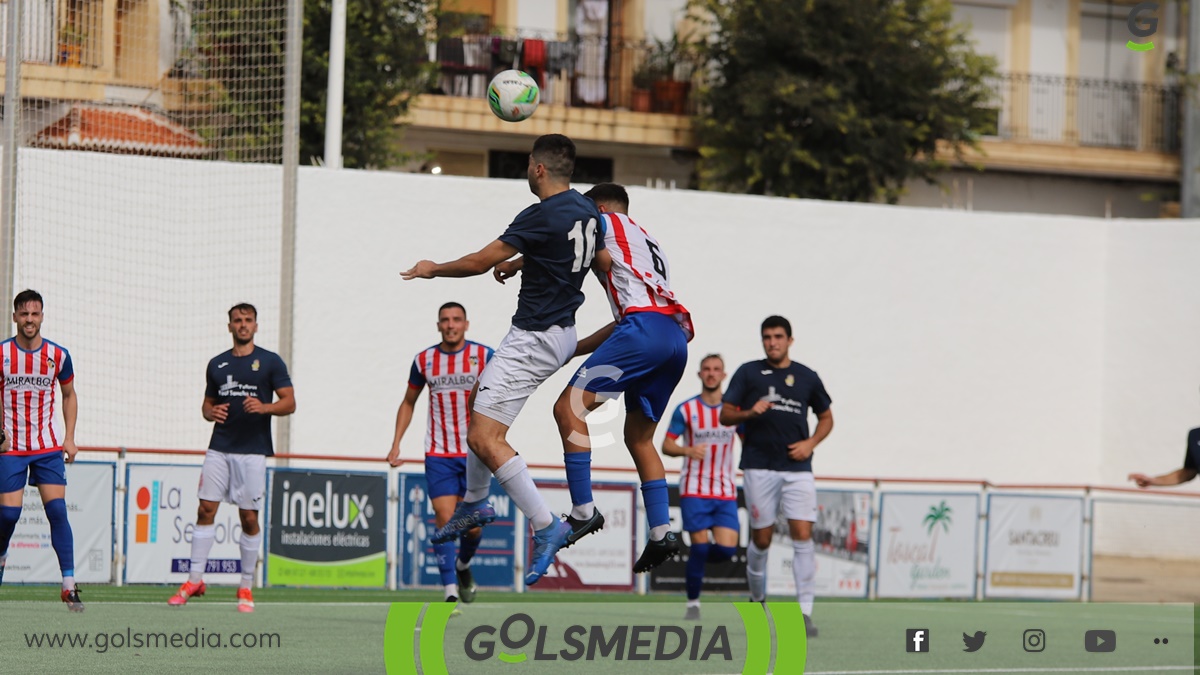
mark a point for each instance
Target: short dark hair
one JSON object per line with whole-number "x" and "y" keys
{"x": 25, "y": 296}
{"x": 713, "y": 356}
{"x": 557, "y": 153}
{"x": 610, "y": 193}
{"x": 243, "y": 307}
{"x": 776, "y": 321}
{"x": 452, "y": 305}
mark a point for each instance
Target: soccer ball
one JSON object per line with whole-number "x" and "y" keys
{"x": 513, "y": 95}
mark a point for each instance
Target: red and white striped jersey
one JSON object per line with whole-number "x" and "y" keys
{"x": 31, "y": 419}
{"x": 450, "y": 378}
{"x": 640, "y": 278}
{"x": 698, "y": 423}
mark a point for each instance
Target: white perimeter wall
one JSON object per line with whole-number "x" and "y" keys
{"x": 1011, "y": 347}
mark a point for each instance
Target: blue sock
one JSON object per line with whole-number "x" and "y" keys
{"x": 445, "y": 559}
{"x": 60, "y": 535}
{"x": 9, "y": 515}
{"x": 719, "y": 554}
{"x": 654, "y": 494}
{"x": 467, "y": 546}
{"x": 579, "y": 477}
{"x": 695, "y": 569}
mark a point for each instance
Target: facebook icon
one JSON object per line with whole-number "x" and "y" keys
{"x": 917, "y": 640}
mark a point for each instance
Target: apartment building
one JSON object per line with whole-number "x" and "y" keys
{"x": 1084, "y": 125}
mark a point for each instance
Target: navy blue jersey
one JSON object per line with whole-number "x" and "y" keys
{"x": 792, "y": 390}
{"x": 230, "y": 380}
{"x": 558, "y": 236}
{"x": 1191, "y": 458}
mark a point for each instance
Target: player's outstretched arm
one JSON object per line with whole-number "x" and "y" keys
{"x": 731, "y": 415}
{"x": 508, "y": 269}
{"x": 470, "y": 265}
{"x": 403, "y": 419}
{"x": 590, "y": 343}
{"x": 1167, "y": 479}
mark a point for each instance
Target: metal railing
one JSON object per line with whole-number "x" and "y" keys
{"x": 1086, "y": 112}
{"x": 57, "y": 33}
{"x": 578, "y": 71}
{"x": 595, "y": 72}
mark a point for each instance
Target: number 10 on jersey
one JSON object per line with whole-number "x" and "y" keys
{"x": 584, "y": 238}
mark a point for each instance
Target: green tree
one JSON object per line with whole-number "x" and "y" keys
{"x": 839, "y": 100}
{"x": 386, "y": 67}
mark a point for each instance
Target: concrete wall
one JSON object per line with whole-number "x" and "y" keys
{"x": 955, "y": 344}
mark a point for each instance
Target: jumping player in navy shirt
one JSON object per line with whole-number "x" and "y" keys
{"x": 560, "y": 239}
{"x": 772, "y": 398}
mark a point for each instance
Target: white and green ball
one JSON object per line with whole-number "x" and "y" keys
{"x": 513, "y": 95}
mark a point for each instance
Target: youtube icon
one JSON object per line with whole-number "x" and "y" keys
{"x": 1100, "y": 641}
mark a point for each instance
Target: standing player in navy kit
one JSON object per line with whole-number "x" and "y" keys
{"x": 771, "y": 398}
{"x": 237, "y": 399}
{"x": 451, "y": 369}
{"x": 559, "y": 238}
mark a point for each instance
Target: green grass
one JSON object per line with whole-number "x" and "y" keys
{"x": 336, "y": 631}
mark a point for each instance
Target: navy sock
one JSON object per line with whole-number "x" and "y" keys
{"x": 445, "y": 560}
{"x": 719, "y": 554}
{"x": 60, "y": 535}
{"x": 695, "y": 569}
{"x": 9, "y": 515}
{"x": 467, "y": 546}
{"x": 654, "y": 494}
{"x": 579, "y": 476}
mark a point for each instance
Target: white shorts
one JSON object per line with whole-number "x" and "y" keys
{"x": 234, "y": 479}
{"x": 523, "y": 361}
{"x": 767, "y": 491}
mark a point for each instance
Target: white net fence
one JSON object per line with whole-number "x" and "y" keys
{"x": 151, "y": 149}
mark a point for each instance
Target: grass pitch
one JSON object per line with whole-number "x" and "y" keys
{"x": 131, "y": 629}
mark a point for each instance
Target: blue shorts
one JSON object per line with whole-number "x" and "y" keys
{"x": 644, "y": 358}
{"x": 446, "y": 476}
{"x": 47, "y": 468}
{"x": 701, "y": 513}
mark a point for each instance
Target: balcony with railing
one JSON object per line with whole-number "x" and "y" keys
{"x": 1050, "y": 123}
{"x": 1088, "y": 113}
{"x": 579, "y": 71}
{"x": 57, "y": 33}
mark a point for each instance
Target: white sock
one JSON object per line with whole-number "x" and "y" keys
{"x": 249, "y": 557}
{"x": 460, "y": 565}
{"x": 804, "y": 569}
{"x": 451, "y": 590}
{"x": 694, "y": 603}
{"x": 479, "y": 479}
{"x": 202, "y": 543}
{"x": 68, "y": 583}
{"x": 659, "y": 531}
{"x": 756, "y": 572}
{"x": 583, "y": 511}
{"x": 515, "y": 479}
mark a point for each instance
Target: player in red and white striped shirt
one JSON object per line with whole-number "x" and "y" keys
{"x": 38, "y": 444}
{"x": 450, "y": 370}
{"x": 707, "y": 495}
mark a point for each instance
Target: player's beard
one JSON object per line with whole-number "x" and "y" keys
{"x": 242, "y": 342}
{"x": 25, "y": 328}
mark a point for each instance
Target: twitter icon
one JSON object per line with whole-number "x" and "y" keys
{"x": 973, "y": 642}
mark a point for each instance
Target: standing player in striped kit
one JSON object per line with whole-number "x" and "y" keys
{"x": 450, "y": 368}
{"x": 707, "y": 496}
{"x": 38, "y": 444}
